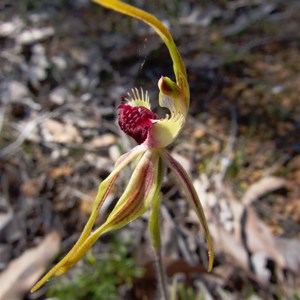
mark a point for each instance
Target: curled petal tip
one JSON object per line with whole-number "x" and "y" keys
{"x": 168, "y": 87}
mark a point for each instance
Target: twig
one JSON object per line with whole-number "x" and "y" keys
{"x": 244, "y": 22}
{"x": 226, "y": 160}
{"x": 12, "y": 148}
{"x": 180, "y": 240}
{"x": 161, "y": 278}
{"x": 226, "y": 156}
{"x": 200, "y": 125}
{"x": 2, "y": 114}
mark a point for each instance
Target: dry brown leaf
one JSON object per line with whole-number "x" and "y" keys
{"x": 31, "y": 188}
{"x": 260, "y": 238}
{"x": 57, "y": 172}
{"x": 58, "y": 132}
{"x": 227, "y": 243}
{"x": 262, "y": 187}
{"x": 23, "y": 272}
{"x": 173, "y": 266}
{"x": 199, "y": 133}
{"x": 87, "y": 201}
{"x": 104, "y": 140}
{"x": 290, "y": 248}
{"x": 250, "y": 235}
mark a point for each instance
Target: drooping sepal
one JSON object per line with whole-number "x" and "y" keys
{"x": 192, "y": 197}
{"x": 135, "y": 200}
{"x": 104, "y": 188}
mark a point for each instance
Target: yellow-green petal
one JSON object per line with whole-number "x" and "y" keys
{"x": 164, "y": 131}
{"x": 154, "y": 227}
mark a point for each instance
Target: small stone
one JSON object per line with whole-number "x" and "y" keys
{"x": 59, "y": 62}
{"x": 114, "y": 152}
{"x": 5, "y": 255}
{"x": 5, "y": 220}
{"x": 16, "y": 90}
{"x": 31, "y": 36}
{"x": 7, "y": 28}
{"x": 104, "y": 140}
{"x": 58, "y": 95}
{"x": 58, "y": 132}
{"x": 199, "y": 133}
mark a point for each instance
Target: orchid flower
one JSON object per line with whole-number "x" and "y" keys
{"x": 153, "y": 134}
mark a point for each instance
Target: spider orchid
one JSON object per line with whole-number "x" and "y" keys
{"x": 153, "y": 134}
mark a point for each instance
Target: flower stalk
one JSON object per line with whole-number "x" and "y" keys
{"x": 150, "y": 157}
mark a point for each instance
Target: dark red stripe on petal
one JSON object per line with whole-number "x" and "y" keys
{"x": 183, "y": 176}
{"x": 136, "y": 200}
{"x": 187, "y": 184}
{"x": 138, "y": 194}
{"x": 108, "y": 188}
{"x": 106, "y": 192}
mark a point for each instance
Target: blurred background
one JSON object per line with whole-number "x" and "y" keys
{"x": 64, "y": 66}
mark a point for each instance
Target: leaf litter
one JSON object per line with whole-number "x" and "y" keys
{"x": 62, "y": 74}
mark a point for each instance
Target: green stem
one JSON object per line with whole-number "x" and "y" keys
{"x": 154, "y": 230}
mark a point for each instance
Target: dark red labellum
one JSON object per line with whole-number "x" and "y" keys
{"x": 136, "y": 121}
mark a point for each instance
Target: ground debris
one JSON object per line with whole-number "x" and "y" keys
{"x": 65, "y": 68}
